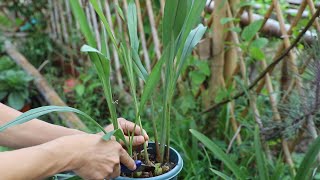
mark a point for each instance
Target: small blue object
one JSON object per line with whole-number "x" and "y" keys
{"x": 124, "y": 168}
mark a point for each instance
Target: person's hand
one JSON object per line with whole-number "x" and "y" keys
{"x": 92, "y": 157}
{"x": 129, "y": 127}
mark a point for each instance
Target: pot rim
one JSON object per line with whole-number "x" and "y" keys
{"x": 168, "y": 175}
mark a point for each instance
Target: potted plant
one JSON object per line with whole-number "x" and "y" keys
{"x": 179, "y": 38}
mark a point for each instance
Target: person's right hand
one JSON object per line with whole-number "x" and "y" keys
{"x": 94, "y": 158}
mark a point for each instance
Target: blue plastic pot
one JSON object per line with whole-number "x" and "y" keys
{"x": 172, "y": 174}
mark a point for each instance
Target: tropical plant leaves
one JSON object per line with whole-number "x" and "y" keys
{"x": 216, "y": 150}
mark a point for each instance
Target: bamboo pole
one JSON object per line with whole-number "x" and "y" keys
{"x": 142, "y": 37}
{"x": 115, "y": 54}
{"x": 217, "y": 63}
{"x": 153, "y": 30}
{"x": 69, "y": 31}
{"x": 44, "y": 88}
{"x": 313, "y": 10}
{"x": 56, "y": 18}
{"x": 53, "y": 25}
{"x": 63, "y": 23}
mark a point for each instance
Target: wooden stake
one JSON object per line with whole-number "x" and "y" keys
{"x": 44, "y": 88}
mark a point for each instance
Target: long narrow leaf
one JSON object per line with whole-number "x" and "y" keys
{"x": 308, "y": 161}
{"x": 175, "y": 12}
{"x": 37, "y": 112}
{"x": 192, "y": 40}
{"x": 259, "y": 156}
{"x": 153, "y": 80}
{"x": 81, "y": 18}
{"x": 102, "y": 65}
{"x": 137, "y": 63}
{"x": 220, "y": 174}
{"x": 216, "y": 150}
{"x": 98, "y": 10}
{"x": 132, "y": 26}
{"x": 193, "y": 17}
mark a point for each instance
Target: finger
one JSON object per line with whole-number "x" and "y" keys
{"x": 129, "y": 126}
{"x": 116, "y": 171}
{"x": 136, "y": 140}
{"x": 126, "y": 160}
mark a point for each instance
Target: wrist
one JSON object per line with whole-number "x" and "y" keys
{"x": 61, "y": 154}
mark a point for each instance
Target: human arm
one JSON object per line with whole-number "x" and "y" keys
{"x": 86, "y": 154}
{"x": 36, "y": 132}
{"x": 31, "y": 133}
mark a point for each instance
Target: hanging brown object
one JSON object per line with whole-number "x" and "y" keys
{"x": 70, "y": 119}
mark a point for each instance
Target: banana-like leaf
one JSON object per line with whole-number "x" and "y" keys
{"x": 217, "y": 151}
{"x": 102, "y": 65}
{"x": 263, "y": 175}
{"x": 37, "y": 112}
{"x": 306, "y": 166}
{"x": 192, "y": 40}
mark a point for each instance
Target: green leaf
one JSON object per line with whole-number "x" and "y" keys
{"x": 119, "y": 10}
{"x": 197, "y": 77}
{"x": 259, "y": 43}
{"x": 132, "y": 26}
{"x": 262, "y": 168}
{"x": 102, "y": 65}
{"x": 217, "y": 151}
{"x": 16, "y": 100}
{"x": 80, "y": 16}
{"x": 220, "y": 174}
{"x": 193, "y": 17}
{"x": 3, "y": 95}
{"x": 256, "y": 53}
{"x": 175, "y": 12}
{"x": 203, "y": 67}
{"x": 235, "y": 29}
{"x": 153, "y": 79}
{"x": 98, "y": 10}
{"x": 250, "y": 31}
{"x": 37, "y": 112}
{"x": 139, "y": 68}
{"x": 192, "y": 40}
{"x": 228, "y": 19}
{"x": 306, "y": 167}
{"x": 116, "y": 133}
{"x": 80, "y": 89}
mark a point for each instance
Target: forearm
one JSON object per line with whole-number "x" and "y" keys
{"x": 32, "y": 133}
{"x": 35, "y": 162}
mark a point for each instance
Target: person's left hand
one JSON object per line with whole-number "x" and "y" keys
{"x": 129, "y": 127}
